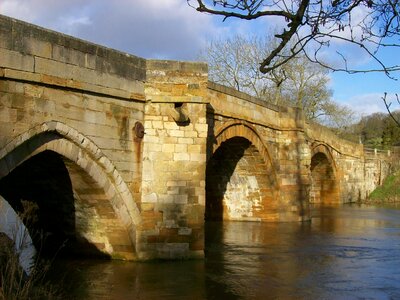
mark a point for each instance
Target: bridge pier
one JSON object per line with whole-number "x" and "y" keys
{"x": 174, "y": 156}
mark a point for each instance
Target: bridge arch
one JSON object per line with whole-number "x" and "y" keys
{"x": 98, "y": 191}
{"x": 241, "y": 128}
{"x": 241, "y": 182}
{"x": 324, "y": 176}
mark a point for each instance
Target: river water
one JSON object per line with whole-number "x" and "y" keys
{"x": 351, "y": 252}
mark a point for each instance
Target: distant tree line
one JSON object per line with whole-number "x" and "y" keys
{"x": 377, "y": 130}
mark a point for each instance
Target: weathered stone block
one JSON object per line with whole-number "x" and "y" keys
{"x": 176, "y": 183}
{"x": 168, "y": 148}
{"x": 171, "y": 125}
{"x": 181, "y": 156}
{"x": 181, "y": 148}
{"x": 198, "y": 157}
{"x": 157, "y": 124}
{"x": 150, "y": 198}
{"x": 14, "y": 60}
{"x": 191, "y": 134}
{"x": 188, "y": 141}
{"x": 185, "y": 231}
{"x": 154, "y": 147}
{"x": 176, "y": 133}
{"x": 180, "y": 199}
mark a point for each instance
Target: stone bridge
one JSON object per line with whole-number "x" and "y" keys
{"x": 126, "y": 157}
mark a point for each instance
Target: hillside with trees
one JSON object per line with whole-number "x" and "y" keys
{"x": 378, "y": 130}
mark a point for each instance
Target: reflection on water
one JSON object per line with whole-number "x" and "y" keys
{"x": 344, "y": 253}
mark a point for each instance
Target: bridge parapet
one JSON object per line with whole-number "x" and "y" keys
{"x": 49, "y": 76}
{"x": 320, "y": 134}
{"x": 228, "y": 102}
{"x": 34, "y": 54}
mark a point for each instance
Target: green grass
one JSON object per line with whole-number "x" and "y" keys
{"x": 389, "y": 192}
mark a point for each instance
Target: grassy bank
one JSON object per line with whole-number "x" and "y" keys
{"x": 389, "y": 192}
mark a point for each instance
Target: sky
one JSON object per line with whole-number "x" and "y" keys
{"x": 170, "y": 29}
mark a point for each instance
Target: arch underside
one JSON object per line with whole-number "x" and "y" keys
{"x": 324, "y": 184}
{"x": 240, "y": 185}
{"x": 81, "y": 206}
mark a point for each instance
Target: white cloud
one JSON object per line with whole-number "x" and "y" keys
{"x": 365, "y": 104}
{"x": 337, "y": 50}
{"x": 167, "y": 29}
{"x": 43, "y": 12}
{"x": 360, "y": 16}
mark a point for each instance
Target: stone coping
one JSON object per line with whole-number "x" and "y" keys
{"x": 241, "y": 95}
{"x": 107, "y": 60}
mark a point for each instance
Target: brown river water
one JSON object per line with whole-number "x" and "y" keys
{"x": 350, "y": 252}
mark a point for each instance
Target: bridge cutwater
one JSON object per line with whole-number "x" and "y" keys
{"x": 127, "y": 156}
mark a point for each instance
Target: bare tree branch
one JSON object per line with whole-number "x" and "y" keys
{"x": 388, "y": 105}
{"x": 234, "y": 62}
{"x": 318, "y": 24}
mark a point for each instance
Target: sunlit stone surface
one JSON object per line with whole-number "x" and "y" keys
{"x": 206, "y": 150}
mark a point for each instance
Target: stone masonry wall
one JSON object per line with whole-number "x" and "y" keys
{"x": 174, "y": 155}
{"x": 378, "y": 165}
{"x": 87, "y": 98}
{"x": 291, "y": 144}
{"x": 357, "y": 170}
{"x": 279, "y": 135}
{"x": 50, "y": 76}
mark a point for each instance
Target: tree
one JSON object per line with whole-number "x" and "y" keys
{"x": 234, "y": 62}
{"x": 388, "y": 104}
{"x": 313, "y": 26}
{"x": 377, "y": 130}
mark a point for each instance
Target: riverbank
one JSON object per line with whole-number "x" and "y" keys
{"x": 388, "y": 192}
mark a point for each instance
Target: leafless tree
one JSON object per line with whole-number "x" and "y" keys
{"x": 388, "y": 105}
{"x": 300, "y": 83}
{"x": 312, "y": 26}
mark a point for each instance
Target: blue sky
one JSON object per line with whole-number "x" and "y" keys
{"x": 170, "y": 29}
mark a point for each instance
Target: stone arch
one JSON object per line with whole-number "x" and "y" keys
{"x": 234, "y": 129}
{"x": 325, "y": 149}
{"x": 86, "y": 161}
{"x": 241, "y": 181}
{"x": 324, "y": 176}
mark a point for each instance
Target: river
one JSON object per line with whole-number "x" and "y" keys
{"x": 350, "y": 252}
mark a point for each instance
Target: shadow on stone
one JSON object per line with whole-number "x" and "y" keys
{"x": 44, "y": 180}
